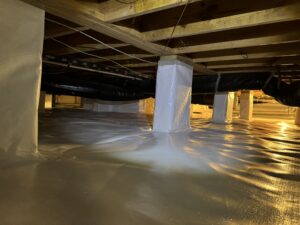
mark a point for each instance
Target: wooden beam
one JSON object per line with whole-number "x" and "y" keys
{"x": 276, "y": 61}
{"x": 86, "y": 14}
{"x": 256, "y": 69}
{"x": 200, "y": 69}
{"x": 264, "y": 55}
{"x": 287, "y": 60}
{"x": 114, "y": 11}
{"x": 246, "y": 69}
{"x": 239, "y": 65}
{"x": 243, "y": 43}
{"x": 251, "y": 19}
{"x": 139, "y": 65}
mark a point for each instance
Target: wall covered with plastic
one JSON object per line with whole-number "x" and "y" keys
{"x": 21, "y": 45}
{"x": 138, "y": 106}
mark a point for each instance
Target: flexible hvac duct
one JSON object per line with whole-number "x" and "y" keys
{"x": 109, "y": 88}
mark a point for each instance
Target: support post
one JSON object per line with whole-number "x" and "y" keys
{"x": 236, "y": 101}
{"x": 223, "y": 107}
{"x": 246, "y": 105}
{"x": 173, "y": 94}
{"x": 297, "y": 118}
{"x": 49, "y": 101}
{"x": 22, "y": 34}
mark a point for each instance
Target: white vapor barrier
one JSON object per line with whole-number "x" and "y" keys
{"x": 246, "y": 105}
{"x": 138, "y": 106}
{"x": 111, "y": 169}
{"x": 21, "y": 45}
{"x": 297, "y": 118}
{"x": 223, "y": 107}
{"x": 173, "y": 96}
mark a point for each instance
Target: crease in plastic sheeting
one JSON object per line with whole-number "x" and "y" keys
{"x": 173, "y": 96}
{"x": 22, "y": 34}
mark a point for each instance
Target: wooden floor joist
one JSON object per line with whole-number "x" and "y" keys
{"x": 251, "y": 19}
{"x": 88, "y": 15}
{"x": 115, "y": 11}
{"x": 264, "y": 55}
{"x": 247, "y": 39}
{"x": 244, "y": 43}
{"x": 252, "y": 42}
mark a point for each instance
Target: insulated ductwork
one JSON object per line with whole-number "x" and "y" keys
{"x": 89, "y": 85}
{"x": 121, "y": 89}
{"x": 287, "y": 94}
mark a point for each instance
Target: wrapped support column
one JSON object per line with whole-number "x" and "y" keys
{"x": 173, "y": 95}
{"x": 246, "y": 105}
{"x": 223, "y": 107}
{"x": 21, "y": 45}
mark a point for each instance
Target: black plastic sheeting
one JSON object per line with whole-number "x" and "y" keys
{"x": 104, "y": 87}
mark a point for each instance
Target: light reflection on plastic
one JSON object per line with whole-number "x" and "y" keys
{"x": 283, "y": 126}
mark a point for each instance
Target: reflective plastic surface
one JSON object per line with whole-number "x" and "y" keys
{"x": 110, "y": 169}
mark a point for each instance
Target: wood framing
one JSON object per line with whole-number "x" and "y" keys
{"x": 86, "y": 14}
{"x": 217, "y": 36}
{"x": 263, "y": 17}
{"x": 116, "y": 11}
{"x": 244, "y": 43}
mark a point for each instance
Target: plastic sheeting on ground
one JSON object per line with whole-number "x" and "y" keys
{"x": 173, "y": 96}
{"x": 109, "y": 168}
{"x": 22, "y": 32}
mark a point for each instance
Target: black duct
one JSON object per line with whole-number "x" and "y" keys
{"x": 91, "y": 85}
{"x": 287, "y": 94}
{"x": 104, "y": 87}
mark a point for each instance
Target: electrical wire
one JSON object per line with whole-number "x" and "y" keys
{"x": 97, "y": 40}
{"x": 178, "y": 21}
{"x": 96, "y": 56}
